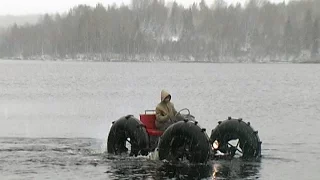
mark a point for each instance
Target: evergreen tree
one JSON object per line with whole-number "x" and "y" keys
{"x": 147, "y": 27}
{"x": 315, "y": 38}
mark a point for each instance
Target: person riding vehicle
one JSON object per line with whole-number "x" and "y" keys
{"x": 166, "y": 114}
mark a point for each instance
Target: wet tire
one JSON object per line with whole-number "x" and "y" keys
{"x": 232, "y": 129}
{"x": 184, "y": 139}
{"x": 126, "y": 129}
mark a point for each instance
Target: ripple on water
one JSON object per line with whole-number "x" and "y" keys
{"x": 84, "y": 159}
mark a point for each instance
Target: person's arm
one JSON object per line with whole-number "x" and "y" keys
{"x": 160, "y": 116}
{"x": 174, "y": 110}
{"x": 177, "y": 117}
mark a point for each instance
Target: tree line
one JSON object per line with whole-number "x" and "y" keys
{"x": 260, "y": 29}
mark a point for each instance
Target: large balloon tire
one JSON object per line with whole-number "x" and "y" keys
{"x": 184, "y": 139}
{"x": 125, "y": 128}
{"x": 232, "y": 129}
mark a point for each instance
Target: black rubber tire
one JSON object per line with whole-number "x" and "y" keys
{"x": 232, "y": 129}
{"x": 124, "y": 128}
{"x": 184, "y": 139}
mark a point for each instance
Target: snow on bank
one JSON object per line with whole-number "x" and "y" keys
{"x": 304, "y": 57}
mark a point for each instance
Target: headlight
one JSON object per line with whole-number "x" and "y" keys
{"x": 215, "y": 145}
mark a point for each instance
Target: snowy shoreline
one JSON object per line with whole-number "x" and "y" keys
{"x": 173, "y": 59}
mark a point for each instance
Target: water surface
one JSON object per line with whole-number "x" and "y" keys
{"x": 55, "y": 117}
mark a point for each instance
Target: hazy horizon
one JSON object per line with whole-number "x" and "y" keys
{"x": 20, "y": 7}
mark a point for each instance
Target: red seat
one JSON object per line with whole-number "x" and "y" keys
{"x": 149, "y": 121}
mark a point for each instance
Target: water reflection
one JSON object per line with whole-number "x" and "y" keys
{"x": 236, "y": 169}
{"x": 142, "y": 168}
{"x": 184, "y": 171}
{"x": 130, "y": 168}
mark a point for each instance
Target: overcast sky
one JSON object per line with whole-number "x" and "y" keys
{"x": 18, "y": 7}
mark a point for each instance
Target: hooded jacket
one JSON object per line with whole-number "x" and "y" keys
{"x": 164, "y": 110}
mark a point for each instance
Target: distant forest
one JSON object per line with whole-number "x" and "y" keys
{"x": 259, "y": 31}
{"x": 8, "y": 20}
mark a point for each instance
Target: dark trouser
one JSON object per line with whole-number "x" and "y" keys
{"x": 162, "y": 126}
{"x": 177, "y": 118}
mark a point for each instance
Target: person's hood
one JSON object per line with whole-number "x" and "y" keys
{"x": 164, "y": 94}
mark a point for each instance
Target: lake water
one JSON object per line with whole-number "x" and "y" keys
{"x": 55, "y": 117}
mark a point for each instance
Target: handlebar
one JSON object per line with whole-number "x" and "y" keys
{"x": 183, "y": 110}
